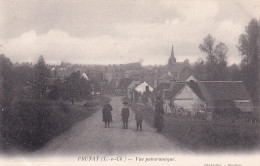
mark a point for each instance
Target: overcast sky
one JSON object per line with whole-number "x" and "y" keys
{"x": 119, "y": 31}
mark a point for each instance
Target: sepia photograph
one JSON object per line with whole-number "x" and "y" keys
{"x": 130, "y": 82}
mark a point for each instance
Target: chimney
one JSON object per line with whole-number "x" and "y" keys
{"x": 147, "y": 88}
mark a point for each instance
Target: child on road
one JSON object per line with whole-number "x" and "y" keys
{"x": 125, "y": 115}
{"x": 139, "y": 119}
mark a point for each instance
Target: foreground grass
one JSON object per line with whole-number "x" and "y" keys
{"x": 23, "y": 135}
{"x": 201, "y": 135}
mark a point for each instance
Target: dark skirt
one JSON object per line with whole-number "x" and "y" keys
{"x": 158, "y": 121}
{"x": 107, "y": 117}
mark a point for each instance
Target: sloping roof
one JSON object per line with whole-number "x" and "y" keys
{"x": 191, "y": 77}
{"x": 226, "y": 90}
{"x": 84, "y": 75}
{"x": 124, "y": 83}
{"x": 196, "y": 89}
{"x": 169, "y": 94}
{"x": 142, "y": 87}
{"x": 133, "y": 84}
{"x": 166, "y": 77}
{"x": 158, "y": 91}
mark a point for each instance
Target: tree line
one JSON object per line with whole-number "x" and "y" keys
{"x": 32, "y": 101}
{"x": 215, "y": 67}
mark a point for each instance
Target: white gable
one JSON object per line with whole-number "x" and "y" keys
{"x": 187, "y": 99}
{"x": 186, "y": 94}
{"x": 84, "y": 75}
{"x": 142, "y": 87}
{"x": 191, "y": 78}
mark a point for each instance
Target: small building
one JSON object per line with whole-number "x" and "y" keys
{"x": 168, "y": 95}
{"x": 84, "y": 75}
{"x": 142, "y": 92}
{"x": 130, "y": 89}
{"x": 213, "y": 97}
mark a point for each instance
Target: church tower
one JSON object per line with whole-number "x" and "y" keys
{"x": 172, "y": 59}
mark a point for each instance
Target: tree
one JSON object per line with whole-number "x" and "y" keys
{"x": 235, "y": 72}
{"x": 199, "y": 69}
{"x": 76, "y": 88}
{"x": 6, "y": 81}
{"x": 248, "y": 46}
{"x": 55, "y": 90}
{"x": 40, "y": 79}
{"x": 216, "y": 60}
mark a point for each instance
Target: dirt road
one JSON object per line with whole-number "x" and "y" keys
{"x": 90, "y": 137}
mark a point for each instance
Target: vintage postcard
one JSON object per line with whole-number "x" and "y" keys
{"x": 130, "y": 82}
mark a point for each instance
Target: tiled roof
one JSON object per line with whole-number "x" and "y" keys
{"x": 226, "y": 90}
{"x": 169, "y": 94}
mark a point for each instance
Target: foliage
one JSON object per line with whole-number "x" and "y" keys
{"x": 40, "y": 79}
{"x": 55, "y": 90}
{"x": 76, "y": 88}
{"x": 216, "y": 63}
{"x": 249, "y": 48}
{"x": 6, "y": 82}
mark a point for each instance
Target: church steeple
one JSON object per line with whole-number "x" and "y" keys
{"x": 172, "y": 59}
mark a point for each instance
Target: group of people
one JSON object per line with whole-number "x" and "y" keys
{"x": 158, "y": 115}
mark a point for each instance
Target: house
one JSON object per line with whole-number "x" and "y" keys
{"x": 226, "y": 95}
{"x": 130, "y": 89}
{"x": 84, "y": 75}
{"x": 215, "y": 97}
{"x": 142, "y": 91}
{"x": 143, "y": 87}
{"x": 168, "y": 95}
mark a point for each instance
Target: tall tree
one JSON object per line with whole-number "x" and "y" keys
{"x": 76, "y": 88}
{"x": 199, "y": 69}
{"x": 40, "y": 78}
{"x": 235, "y": 72}
{"x": 6, "y": 81}
{"x": 216, "y": 63}
{"x": 248, "y": 46}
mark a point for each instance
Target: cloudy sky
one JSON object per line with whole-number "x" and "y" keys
{"x": 119, "y": 31}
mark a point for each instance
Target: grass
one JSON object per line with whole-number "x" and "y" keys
{"x": 201, "y": 135}
{"x": 22, "y": 131}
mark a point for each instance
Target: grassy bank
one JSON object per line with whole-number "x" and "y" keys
{"x": 31, "y": 128}
{"x": 202, "y": 135}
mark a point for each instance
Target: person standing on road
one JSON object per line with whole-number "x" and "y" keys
{"x": 125, "y": 115}
{"x": 139, "y": 119}
{"x": 107, "y": 115}
{"x": 158, "y": 115}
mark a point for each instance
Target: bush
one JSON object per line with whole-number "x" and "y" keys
{"x": 91, "y": 103}
{"x": 30, "y": 124}
{"x": 199, "y": 134}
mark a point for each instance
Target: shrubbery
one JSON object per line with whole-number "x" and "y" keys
{"x": 205, "y": 135}
{"x": 30, "y": 124}
{"x": 199, "y": 134}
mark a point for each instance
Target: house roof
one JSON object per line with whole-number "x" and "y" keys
{"x": 169, "y": 94}
{"x": 142, "y": 87}
{"x": 226, "y": 90}
{"x": 84, "y": 75}
{"x": 196, "y": 89}
{"x": 158, "y": 91}
{"x": 133, "y": 84}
